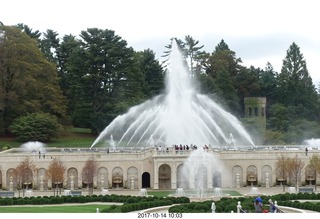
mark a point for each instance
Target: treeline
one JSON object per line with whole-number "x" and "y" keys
{"x": 87, "y": 80}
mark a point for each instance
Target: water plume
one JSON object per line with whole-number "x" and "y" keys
{"x": 179, "y": 116}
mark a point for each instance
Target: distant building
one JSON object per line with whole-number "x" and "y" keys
{"x": 255, "y": 117}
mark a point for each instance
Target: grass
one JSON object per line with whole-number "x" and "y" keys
{"x": 160, "y": 193}
{"x": 54, "y": 209}
{"x": 70, "y": 137}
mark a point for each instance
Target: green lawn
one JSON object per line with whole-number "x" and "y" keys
{"x": 54, "y": 209}
{"x": 69, "y": 137}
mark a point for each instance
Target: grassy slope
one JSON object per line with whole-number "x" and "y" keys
{"x": 70, "y": 137}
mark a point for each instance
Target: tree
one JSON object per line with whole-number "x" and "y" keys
{"x": 23, "y": 174}
{"x": 181, "y": 46}
{"x": 104, "y": 79}
{"x": 36, "y": 127}
{"x": 89, "y": 171}
{"x": 33, "y": 34}
{"x": 295, "y": 87}
{"x": 29, "y": 82}
{"x": 193, "y": 52}
{"x": 282, "y": 169}
{"x": 223, "y": 67}
{"x": 49, "y": 45}
{"x": 314, "y": 162}
{"x": 295, "y": 165}
{"x": 55, "y": 173}
{"x": 152, "y": 71}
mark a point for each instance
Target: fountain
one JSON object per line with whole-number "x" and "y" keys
{"x": 33, "y": 146}
{"x": 105, "y": 192}
{"x": 180, "y": 192}
{"x": 217, "y": 192}
{"x": 254, "y": 191}
{"x": 312, "y": 143}
{"x": 179, "y": 116}
{"x": 143, "y": 192}
{"x": 291, "y": 190}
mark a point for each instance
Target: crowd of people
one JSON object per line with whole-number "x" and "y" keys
{"x": 181, "y": 147}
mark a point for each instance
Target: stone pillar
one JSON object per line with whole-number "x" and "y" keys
{"x": 173, "y": 176}
{"x": 156, "y": 176}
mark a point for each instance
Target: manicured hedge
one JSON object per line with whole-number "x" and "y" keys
{"x": 130, "y": 203}
{"x": 226, "y": 205}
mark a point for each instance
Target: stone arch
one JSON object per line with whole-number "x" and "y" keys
{"x": 72, "y": 178}
{"x": 42, "y": 181}
{"x": 266, "y": 175}
{"x": 182, "y": 177}
{"x": 146, "y": 180}
{"x": 252, "y": 175}
{"x": 237, "y": 176}
{"x": 117, "y": 177}
{"x": 11, "y": 179}
{"x": 164, "y": 176}
{"x": 132, "y": 176}
{"x": 310, "y": 175}
{"x": 102, "y": 178}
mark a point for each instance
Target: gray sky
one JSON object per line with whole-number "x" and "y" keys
{"x": 259, "y": 31}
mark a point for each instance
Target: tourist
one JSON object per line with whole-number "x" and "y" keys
{"x": 306, "y": 151}
{"x": 259, "y": 199}
{"x": 272, "y": 208}
{"x": 257, "y": 206}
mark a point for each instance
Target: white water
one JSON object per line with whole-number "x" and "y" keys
{"x": 33, "y": 146}
{"x": 180, "y": 116}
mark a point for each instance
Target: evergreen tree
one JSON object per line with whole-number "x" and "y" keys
{"x": 223, "y": 67}
{"x": 193, "y": 52}
{"x": 152, "y": 71}
{"x": 295, "y": 87}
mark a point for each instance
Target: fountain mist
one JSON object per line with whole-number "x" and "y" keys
{"x": 180, "y": 116}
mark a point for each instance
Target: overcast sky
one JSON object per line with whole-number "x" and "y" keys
{"x": 259, "y": 31}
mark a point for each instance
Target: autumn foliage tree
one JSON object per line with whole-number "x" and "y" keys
{"x": 295, "y": 165}
{"x": 23, "y": 174}
{"x": 55, "y": 173}
{"x": 89, "y": 171}
{"x": 282, "y": 169}
{"x": 314, "y": 162}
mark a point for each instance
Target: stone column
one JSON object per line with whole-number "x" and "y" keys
{"x": 173, "y": 176}
{"x": 156, "y": 176}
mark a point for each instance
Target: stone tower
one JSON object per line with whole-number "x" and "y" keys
{"x": 255, "y": 117}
